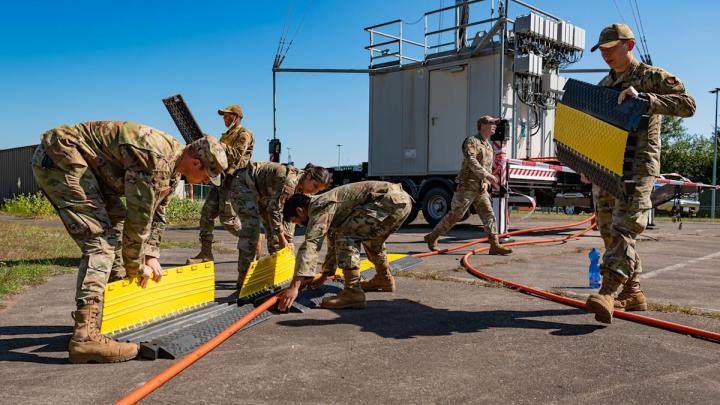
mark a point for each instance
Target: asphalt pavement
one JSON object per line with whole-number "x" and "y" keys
{"x": 439, "y": 339}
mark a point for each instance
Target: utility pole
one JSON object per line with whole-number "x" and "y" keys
{"x": 289, "y": 157}
{"x": 715, "y": 152}
{"x": 339, "y": 146}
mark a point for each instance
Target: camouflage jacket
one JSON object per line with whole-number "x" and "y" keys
{"x": 328, "y": 211}
{"x": 667, "y": 96}
{"x": 273, "y": 184}
{"x": 477, "y": 161}
{"x": 131, "y": 160}
{"x": 239, "y": 142}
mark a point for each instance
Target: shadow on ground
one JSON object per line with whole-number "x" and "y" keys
{"x": 34, "y": 343}
{"x": 407, "y": 319}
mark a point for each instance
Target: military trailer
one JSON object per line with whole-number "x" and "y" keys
{"x": 431, "y": 79}
{"x": 426, "y": 95}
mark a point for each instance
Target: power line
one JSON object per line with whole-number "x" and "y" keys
{"x": 642, "y": 32}
{"x": 283, "y": 45}
{"x": 637, "y": 29}
{"x": 622, "y": 18}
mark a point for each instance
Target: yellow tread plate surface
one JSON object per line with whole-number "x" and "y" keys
{"x": 269, "y": 271}
{"x": 593, "y": 138}
{"x": 126, "y": 304}
{"x": 278, "y": 268}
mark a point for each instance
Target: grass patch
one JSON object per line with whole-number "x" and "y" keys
{"x": 29, "y": 206}
{"x": 441, "y": 276}
{"x": 182, "y": 211}
{"x": 180, "y": 244}
{"x": 31, "y": 254}
{"x": 178, "y": 212}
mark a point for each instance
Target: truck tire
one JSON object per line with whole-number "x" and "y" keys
{"x": 435, "y": 204}
{"x": 413, "y": 214}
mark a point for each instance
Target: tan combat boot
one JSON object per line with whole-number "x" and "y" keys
{"x": 496, "y": 248}
{"x": 601, "y": 304}
{"x": 205, "y": 254}
{"x": 352, "y": 296}
{"x": 631, "y": 298}
{"x": 431, "y": 240}
{"x": 87, "y": 345}
{"x": 382, "y": 281}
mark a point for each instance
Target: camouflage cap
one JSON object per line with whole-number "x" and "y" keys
{"x": 487, "y": 119}
{"x": 232, "y": 109}
{"x": 612, "y": 34}
{"x": 212, "y": 155}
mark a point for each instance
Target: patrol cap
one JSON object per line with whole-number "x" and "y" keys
{"x": 212, "y": 155}
{"x": 232, "y": 109}
{"x": 612, "y": 34}
{"x": 487, "y": 119}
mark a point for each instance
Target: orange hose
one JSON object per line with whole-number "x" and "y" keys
{"x": 671, "y": 326}
{"x": 201, "y": 351}
{"x": 175, "y": 369}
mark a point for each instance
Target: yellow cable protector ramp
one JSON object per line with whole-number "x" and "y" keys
{"x": 127, "y": 305}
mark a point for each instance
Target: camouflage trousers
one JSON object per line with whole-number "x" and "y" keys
{"x": 620, "y": 222}
{"x": 462, "y": 199}
{"x": 217, "y": 204}
{"x": 93, "y": 220}
{"x": 368, "y": 226}
{"x": 251, "y": 213}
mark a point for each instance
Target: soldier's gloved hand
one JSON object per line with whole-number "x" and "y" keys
{"x": 492, "y": 179}
{"x": 630, "y": 91}
{"x": 152, "y": 269}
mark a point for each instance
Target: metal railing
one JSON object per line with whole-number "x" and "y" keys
{"x": 395, "y": 42}
{"x": 388, "y": 42}
{"x": 393, "y": 46}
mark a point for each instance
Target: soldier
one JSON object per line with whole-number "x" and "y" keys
{"x": 621, "y": 221}
{"x": 217, "y": 202}
{"x": 84, "y": 170}
{"x": 364, "y": 213}
{"x": 473, "y": 187}
{"x": 261, "y": 191}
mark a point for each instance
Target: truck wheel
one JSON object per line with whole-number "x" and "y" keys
{"x": 413, "y": 214}
{"x": 435, "y": 204}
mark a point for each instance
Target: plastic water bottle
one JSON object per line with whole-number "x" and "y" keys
{"x": 594, "y": 270}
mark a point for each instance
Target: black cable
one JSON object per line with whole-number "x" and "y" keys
{"x": 642, "y": 33}
{"x": 637, "y": 28}
{"x": 618, "y": 10}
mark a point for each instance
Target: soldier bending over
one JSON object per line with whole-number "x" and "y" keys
{"x": 364, "y": 213}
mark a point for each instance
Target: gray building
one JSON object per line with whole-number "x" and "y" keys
{"x": 16, "y": 176}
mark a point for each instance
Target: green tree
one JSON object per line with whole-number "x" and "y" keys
{"x": 688, "y": 154}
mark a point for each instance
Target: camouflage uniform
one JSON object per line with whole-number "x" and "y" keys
{"x": 476, "y": 167}
{"x": 258, "y": 194}
{"x": 364, "y": 213}
{"x": 620, "y": 222}
{"x": 85, "y": 169}
{"x": 217, "y": 203}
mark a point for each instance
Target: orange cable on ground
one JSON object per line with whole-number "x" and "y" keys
{"x": 175, "y": 369}
{"x": 671, "y": 326}
{"x": 164, "y": 376}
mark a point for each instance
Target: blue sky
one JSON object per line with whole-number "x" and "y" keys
{"x": 68, "y": 62}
